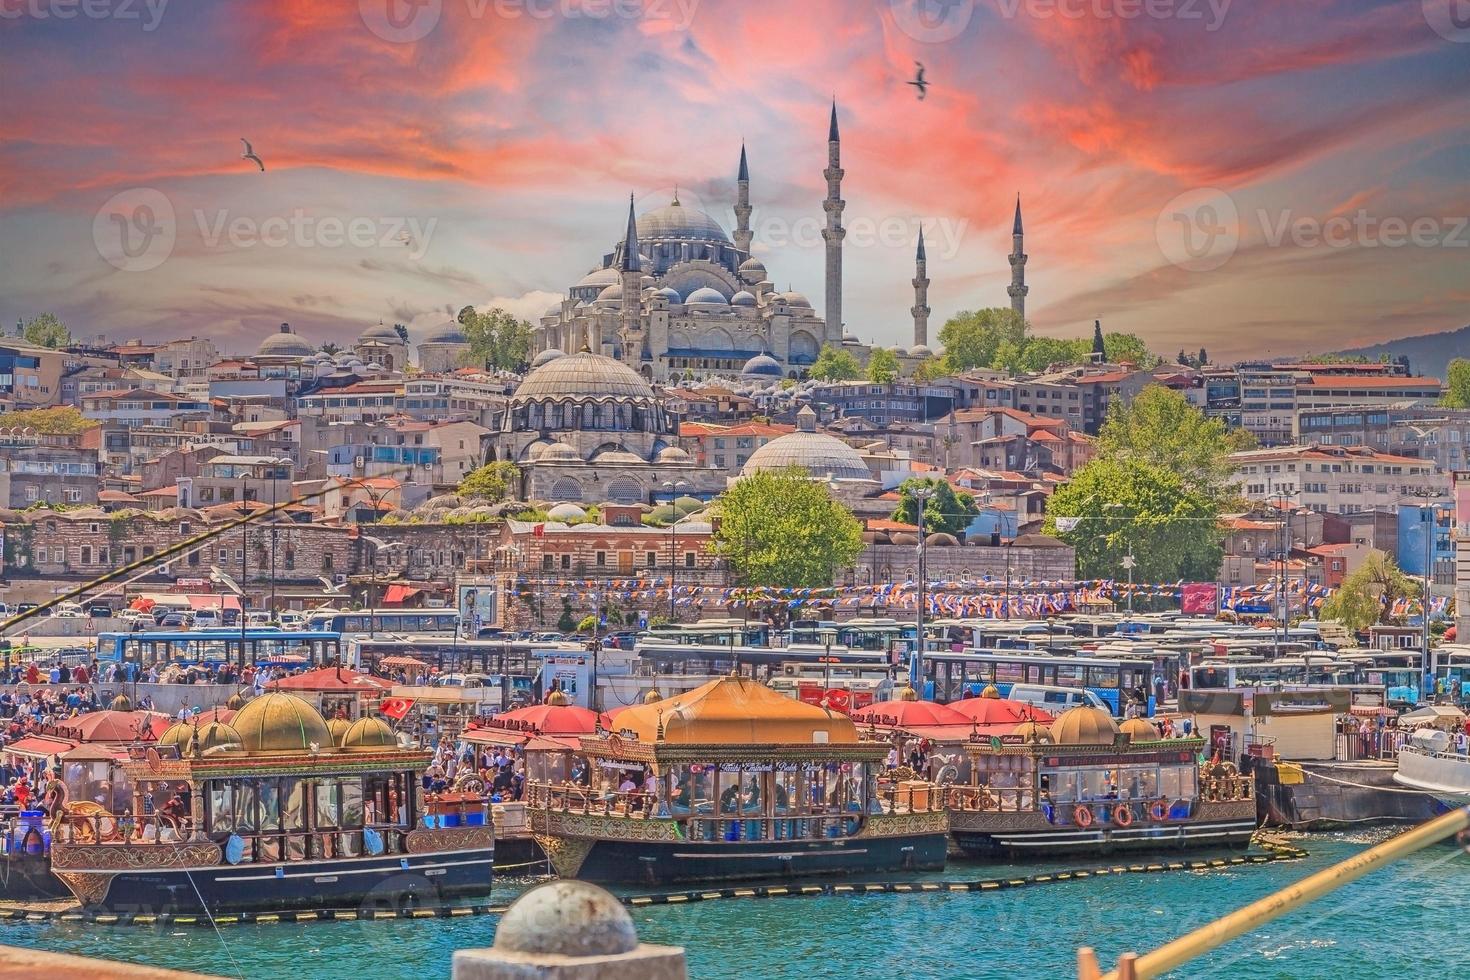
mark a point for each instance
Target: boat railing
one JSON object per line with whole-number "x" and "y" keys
{"x": 991, "y": 799}
{"x": 122, "y": 828}
{"x": 1449, "y": 754}
{"x": 1226, "y": 789}
{"x": 575, "y": 798}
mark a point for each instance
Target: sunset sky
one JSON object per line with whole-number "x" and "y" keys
{"x": 482, "y": 152}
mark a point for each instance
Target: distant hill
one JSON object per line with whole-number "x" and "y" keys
{"x": 1429, "y": 354}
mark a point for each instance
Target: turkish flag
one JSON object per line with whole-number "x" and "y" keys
{"x": 395, "y": 708}
{"x": 539, "y": 531}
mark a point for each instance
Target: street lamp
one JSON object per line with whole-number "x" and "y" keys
{"x": 379, "y": 546}
{"x": 672, "y": 488}
{"x": 1426, "y": 521}
{"x": 1284, "y": 493}
{"x": 1128, "y": 560}
{"x": 922, "y": 495}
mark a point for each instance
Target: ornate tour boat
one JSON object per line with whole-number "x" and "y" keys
{"x": 732, "y": 781}
{"x": 276, "y": 810}
{"x": 1089, "y": 786}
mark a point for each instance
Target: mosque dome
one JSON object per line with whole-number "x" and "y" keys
{"x": 611, "y": 294}
{"x": 706, "y": 296}
{"x": 284, "y": 343}
{"x": 599, "y": 277}
{"x": 819, "y": 454}
{"x": 670, "y": 294}
{"x": 280, "y": 722}
{"x": 559, "y": 452}
{"x": 1084, "y": 725}
{"x": 553, "y": 310}
{"x": 794, "y": 298}
{"x": 752, "y": 270}
{"x": 674, "y": 221}
{"x": 941, "y": 539}
{"x": 920, "y": 350}
{"x": 546, "y": 357}
{"x": 583, "y": 374}
{"x": 761, "y": 366}
{"x": 368, "y": 735}
{"x": 566, "y": 512}
{"x": 449, "y": 332}
{"x": 743, "y": 298}
{"x": 380, "y": 331}
{"x": 673, "y": 454}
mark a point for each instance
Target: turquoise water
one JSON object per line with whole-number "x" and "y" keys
{"x": 1403, "y": 921}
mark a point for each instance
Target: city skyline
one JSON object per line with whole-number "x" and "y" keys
{"x": 478, "y": 167}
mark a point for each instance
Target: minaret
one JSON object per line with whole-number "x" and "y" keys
{"x": 1018, "y": 288}
{"x": 743, "y": 233}
{"x": 920, "y": 309}
{"x": 834, "y": 232}
{"x": 630, "y": 329}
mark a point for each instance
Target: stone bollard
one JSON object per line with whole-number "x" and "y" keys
{"x": 569, "y": 930}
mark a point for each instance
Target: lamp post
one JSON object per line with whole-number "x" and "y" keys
{"x": 1128, "y": 560}
{"x": 1426, "y": 521}
{"x": 1284, "y": 493}
{"x": 922, "y": 495}
{"x": 672, "y": 488}
{"x": 379, "y": 546}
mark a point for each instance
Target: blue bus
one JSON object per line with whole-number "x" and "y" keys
{"x": 312, "y": 648}
{"x": 369, "y": 622}
{"x": 954, "y": 676}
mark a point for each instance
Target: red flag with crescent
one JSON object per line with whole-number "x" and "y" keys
{"x": 395, "y": 708}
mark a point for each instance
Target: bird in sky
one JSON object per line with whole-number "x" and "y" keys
{"x": 918, "y": 81}
{"x": 249, "y": 154}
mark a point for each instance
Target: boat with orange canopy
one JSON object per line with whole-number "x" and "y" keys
{"x": 733, "y": 781}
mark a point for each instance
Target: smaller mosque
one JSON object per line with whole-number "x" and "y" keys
{"x": 380, "y": 351}
{"x": 822, "y": 456}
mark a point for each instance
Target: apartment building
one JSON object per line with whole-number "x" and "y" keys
{"x": 1336, "y": 479}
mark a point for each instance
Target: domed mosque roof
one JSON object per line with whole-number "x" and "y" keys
{"x": 1084, "y": 725}
{"x": 743, "y": 298}
{"x": 673, "y": 454}
{"x": 673, "y": 220}
{"x": 566, "y": 512}
{"x": 610, "y": 293}
{"x": 546, "y": 357}
{"x": 753, "y": 268}
{"x": 280, "y": 722}
{"x": 920, "y": 350}
{"x": 586, "y": 375}
{"x": 761, "y": 366}
{"x": 284, "y": 343}
{"x": 793, "y": 298}
{"x": 382, "y": 332}
{"x": 448, "y": 332}
{"x": 669, "y": 293}
{"x": 706, "y": 296}
{"x": 599, "y": 277}
{"x": 819, "y": 454}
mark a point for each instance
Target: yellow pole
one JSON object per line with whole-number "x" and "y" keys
{"x": 1200, "y": 941}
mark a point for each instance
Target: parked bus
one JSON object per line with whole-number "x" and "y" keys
{"x": 369, "y": 622}
{"x": 275, "y": 647}
{"x": 710, "y": 632}
{"x": 954, "y": 676}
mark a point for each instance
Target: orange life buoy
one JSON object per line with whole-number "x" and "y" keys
{"x": 1123, "y": 815}
{"x": 1158, "y": 810}
{"x": 1082, "y": 816}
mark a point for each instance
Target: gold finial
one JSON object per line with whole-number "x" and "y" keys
{"x": 905, "y": 693}
{"x": 991, "y": 691}
{"x": 558, "y": 698}
{"x": 652, "y": 696}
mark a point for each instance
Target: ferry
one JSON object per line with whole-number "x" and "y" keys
{"x": 1089, "y": 785}
{"x": 732, "y": 781}
{"x": 277, "y": 810}
{"x": 1427, "y": 764}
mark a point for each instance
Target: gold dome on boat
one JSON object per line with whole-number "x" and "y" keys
{"x": 905, "y": 693}
{"x": 237, "y": 701}
{"x": 652, "y": 696}
{"x": 1084, "y": 725}
{"x": 558, "y": 698}
{"x": 177, "y": 734}
{"x": 279, "y": 722}
{"x": 1139, "y": 730}
{"x": 368, "y": 735}
{"x": 216, "y": 737}
{"x": 121, "y": 703}
{"x": 1030, "y": 731}
{"x": 338, "y": 727}
{"x": 991, "y": 691}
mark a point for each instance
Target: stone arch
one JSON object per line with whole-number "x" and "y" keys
{"x": 625, "y": 490}
{"x": 804, "y": 348}
{"x": 566, "y": 489}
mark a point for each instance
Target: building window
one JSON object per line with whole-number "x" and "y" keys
{"x": 86, "y": 554}
{"x": 651, "y": 557}
{"x": 601, "y": 558}
{"x": 547, "y": 561}
{"x": 41, "y": 556}
{"x": 566, "y": 561}
{"x": 326, "y": 561}
{"x": 688, "y": 559}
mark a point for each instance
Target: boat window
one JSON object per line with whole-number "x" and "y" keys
{"x": 328, "y": 804}
{"x": 1177, "y": 782}
{"x": 245, "y": 817}
{"x": 221, "y": 808}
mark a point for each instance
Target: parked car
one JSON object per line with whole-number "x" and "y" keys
{"x": 99, "y": 610}
{"x": 1055, "y": 700}
{"x": 292, "y": 620}
{"x": 69, "y": 610}
{"x": 176, "y": 620}
{"x": 205, "y": 618}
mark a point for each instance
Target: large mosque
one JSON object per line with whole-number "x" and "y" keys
{"x": 677, "y": 297}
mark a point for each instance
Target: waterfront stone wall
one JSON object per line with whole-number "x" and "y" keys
{"x": 900, "y": 562}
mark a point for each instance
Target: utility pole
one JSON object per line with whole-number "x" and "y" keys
{"x": 922, "y": 494}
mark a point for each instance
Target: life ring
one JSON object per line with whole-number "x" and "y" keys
{"x": 1082, "y": 816}
{"x": 1158, "y": 810}
{"x": 1123, "y": 815}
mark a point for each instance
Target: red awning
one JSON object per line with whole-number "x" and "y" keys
{"x": 399, "y": 593}
{"x": 214, "y": 602}
{"x": 40, "y": 746}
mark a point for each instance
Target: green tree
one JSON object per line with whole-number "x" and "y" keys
{"x": 835, "y": 364}
{"x": 1367, "y": 595}
{"x": 1041, "y": 353}
{"x": 47, "y": 331}
{"x": 497, "y": 340}
{"x": 1457, "y": 384}
{"x": 493, "y": 481}
{"x": 782, "y": 529}
{"x": 949, "y": 510}
{"x": 588, "y": 624}
{"x": 972, "y": 338}
{"x": 931, "y": 369}
{"x": 1131, "y": 348}
{"x": 882, "y": 366}
{"x": 63, "y": 421}
{"x": 1161, "y": 428}
{"x": 1116, "y": 506}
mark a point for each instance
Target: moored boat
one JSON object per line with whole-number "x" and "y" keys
{"x": 1087, "y": 785}
{"x": 276, "y": 811}
{"x": 1426, "y": 764}
{"x": 732, "y": 781}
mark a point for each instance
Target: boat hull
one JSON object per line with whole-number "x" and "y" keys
{"x": 385, "y": 882}
{"x": 28, "y": 876}
{"x": 1029, "y": 835}
{"x": 1443, "y": 775}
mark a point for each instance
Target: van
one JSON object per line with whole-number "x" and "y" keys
{"x": 206, "y": 618}
{"x": 1055, "y": 700}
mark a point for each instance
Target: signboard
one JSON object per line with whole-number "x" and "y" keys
{"x": 1198, "y": 599}
{"x": 836, "y": 698}
{"x": 476, "y": 608}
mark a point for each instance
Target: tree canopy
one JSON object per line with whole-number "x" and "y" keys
{"x": 1160, "y": 427}
{"x": 835, "y": 364}
{"x": 62, "y": 421}
{"x": 882, "y": 366}
{"x": 1457, "y": 384}
{"x": 972, "y": 338}
{"x": 1000, "y": 340}
{"x": 493, "y": 481}
{"x": 46, "y": 331}
{"x": 1367, "y": 595}
{"x": 497, "y": 339}
{"x": 782, "y": 529}
{"x": 948, "y": 511}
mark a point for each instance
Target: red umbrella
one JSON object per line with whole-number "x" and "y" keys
{"x": 331, "y": 679}
{"x": 117, "y": 726}
{"x": 553, "y": 719}
{"x": 998, "y": 711}
{"x": 909, "y": 714}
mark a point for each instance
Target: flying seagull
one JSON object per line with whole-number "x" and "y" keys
{"x": 249, "y": 154}
{"x": 918, "y": 81}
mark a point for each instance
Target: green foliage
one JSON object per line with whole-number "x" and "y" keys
{"x": 497, "y": 339}
{"x": 931, "y": 369}
{"x": 46, "y": 331}
{"x": 1457, "y": 384}
{"x": 1125, "y": 504}
{"x": 835, "y": 364}
{"x": 784, "y": 530}
{"x": 882, "y": 366}
{"x": 493, "y": 481}
{"x": 565, "y": 622}
{"x": 588, "y": 624}
{"x": 1131, "y": 348}
{"x": 1161, "y": 428}
{"x": 972, "y": 338}
{"x": 999, "y": 339}
{"x": 948, "y": 511}
{"x": 1369, "y": 592}
{"x": 65, "y": 421}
